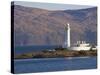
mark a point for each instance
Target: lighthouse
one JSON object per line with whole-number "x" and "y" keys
{"x": 80, "y": 45}
{"x": 67, "y": 29}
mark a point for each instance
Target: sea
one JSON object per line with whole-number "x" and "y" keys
{"x": 27, "y": 49}
{"x": 50, "y": 64}
{"x": 54, "y": 64}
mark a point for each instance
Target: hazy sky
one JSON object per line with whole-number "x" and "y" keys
{"x": 51, "y": 6}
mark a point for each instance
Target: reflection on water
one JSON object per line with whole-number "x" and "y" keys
{"x": 54, "y": 64}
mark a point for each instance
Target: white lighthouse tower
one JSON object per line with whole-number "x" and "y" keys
{"x": 80, "y": 45}
{"x": 68, "y": 35}
{"x": 67, "y": 29}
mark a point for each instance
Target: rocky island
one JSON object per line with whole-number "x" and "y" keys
{"x": 56, "y": 54}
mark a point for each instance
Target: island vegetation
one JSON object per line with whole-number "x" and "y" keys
{"x": 57, "y": 53}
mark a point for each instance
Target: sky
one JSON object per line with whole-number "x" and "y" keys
{"x": 52, "y": 6}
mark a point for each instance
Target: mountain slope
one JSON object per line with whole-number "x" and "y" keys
{"x": 34, "y": 26}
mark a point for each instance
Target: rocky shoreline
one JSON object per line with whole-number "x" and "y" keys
{"x": 56, "y": 54}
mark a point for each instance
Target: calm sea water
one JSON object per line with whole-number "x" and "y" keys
{"x": 54, "y": 64}
{"x": 26, "y": 49}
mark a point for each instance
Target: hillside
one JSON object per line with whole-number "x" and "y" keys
{"x": 34, "y": 26}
